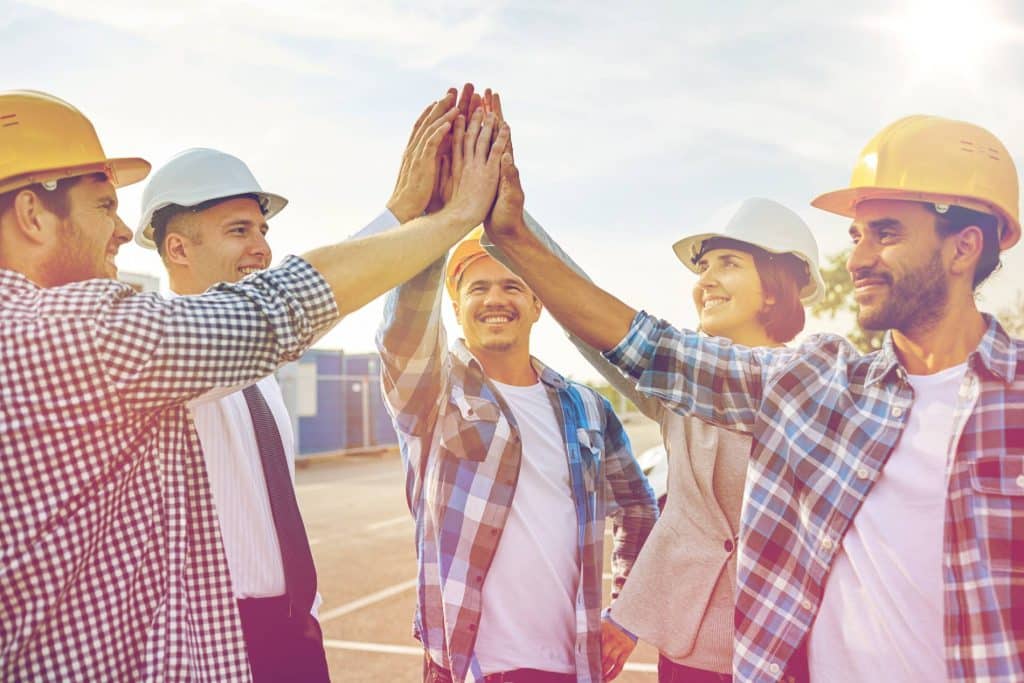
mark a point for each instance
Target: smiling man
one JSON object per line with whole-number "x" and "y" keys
{"x": 206, "y": 215}
{"x": 881, "y": 535}
{"x": 511, "y": 472}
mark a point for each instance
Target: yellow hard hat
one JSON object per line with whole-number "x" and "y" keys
{"x": 466, "y": 252}
{"x": 936, "y": 160}
{"x": 43, "y": 139}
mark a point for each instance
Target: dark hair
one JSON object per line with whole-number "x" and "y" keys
{"x": 955, "y": 219}
{"x": 782, "y": 278}
{"x": 55, "y": 200}
{"x": 163, "y": 216}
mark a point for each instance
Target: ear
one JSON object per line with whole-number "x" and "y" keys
{"x": 538, "y": 308}
{"x": 966, "y": 247}
{"x": 176, "y": 249}
{"x": 455, "y": 307}
{"x": 33, "y": 221}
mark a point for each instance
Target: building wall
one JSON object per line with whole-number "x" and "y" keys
{"x": 335, "y": 402}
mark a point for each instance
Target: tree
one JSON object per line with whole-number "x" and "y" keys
{"x": 839, "y": 300}
{"x": 1012, "y": 317}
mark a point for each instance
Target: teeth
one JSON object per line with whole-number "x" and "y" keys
{"x": 248, "y": 271}
{"x": 710, "y": 303}
{"x": 493, "y": 319}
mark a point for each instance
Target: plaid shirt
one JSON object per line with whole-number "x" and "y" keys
{"x": 461, "y": 450}
{"x": 825, "y": 419}
{"x": 111, "y": 563}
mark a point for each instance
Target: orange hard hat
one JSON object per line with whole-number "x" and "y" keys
{"x": 466, "y": 252}
{"x": 44, "y": 139}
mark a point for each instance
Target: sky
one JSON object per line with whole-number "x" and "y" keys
{"x": 631, "y": 126}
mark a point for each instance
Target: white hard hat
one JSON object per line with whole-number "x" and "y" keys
{"x": 195, "y": 176}
{"x": 767, "y": 224}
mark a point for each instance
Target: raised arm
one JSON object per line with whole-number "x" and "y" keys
{"x": 583, "y": 308}
{"x": 624, "y": 385}
{"x": 686, "y": 372}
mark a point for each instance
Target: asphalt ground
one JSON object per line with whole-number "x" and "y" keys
{"x": 362, "y": 540}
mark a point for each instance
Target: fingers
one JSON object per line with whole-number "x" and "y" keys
{"x": 496, "y": 107}
{"x": 435, "y": 112}
{"x": 419, "y": 122}
{"x": 464, "y": 100}
{"x": 483, "y": 143}
{"x": 436, "y": 133}
{"x": 458, "y": 140}
{"x": 497, "y": 148}
{"x": 472, "y": 135}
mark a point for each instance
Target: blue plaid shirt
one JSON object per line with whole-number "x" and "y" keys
{"x": 825, "y": 419}
{"x": 461, "y": 449}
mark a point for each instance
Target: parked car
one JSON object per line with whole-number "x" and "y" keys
{"x": 654, "y": 463}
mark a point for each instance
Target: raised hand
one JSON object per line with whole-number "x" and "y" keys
{"x": 506, "y": 221}
{"x": 418, "y": 175}
{"x": 476, "y": 164}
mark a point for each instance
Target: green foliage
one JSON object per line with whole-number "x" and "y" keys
{"x": 838, "y": 299}
{"x": 1012, "y": 317}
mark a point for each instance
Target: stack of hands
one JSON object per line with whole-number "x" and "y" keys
{"x": 459, "y": 159}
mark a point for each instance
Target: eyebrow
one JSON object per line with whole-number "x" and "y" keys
{"x": 503, "y": 281}
{"x": 738, "y": 255}
{"x": 876, "y": 225}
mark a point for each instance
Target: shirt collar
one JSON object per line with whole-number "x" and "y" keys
{"x": 996, "y": 352}
{"x": 548, "y": 376}
{"x": 12, "y": 278}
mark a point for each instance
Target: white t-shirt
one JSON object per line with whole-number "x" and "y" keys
{"x": 528, "y": 615}
{"x": 882, "y": 610}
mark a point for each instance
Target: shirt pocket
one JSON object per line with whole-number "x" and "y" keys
{"x": 1000, "y": 482}
{"x": 468, "y": 427}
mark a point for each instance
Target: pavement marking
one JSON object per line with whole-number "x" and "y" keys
{"x": 316, "y": 486}
{"x": 388, "y": 522}
{"x": 362, "y": 602}
{"x": 418, "y": 652}
{"x": 374, "y": 647}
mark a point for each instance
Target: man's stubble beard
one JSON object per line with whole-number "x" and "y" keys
{"x": 915, "y": 301}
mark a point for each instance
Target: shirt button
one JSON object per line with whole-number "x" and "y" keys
{"x": 827, "y": 543}
{"x": 897, "y": 411}
{"x": 775, "y": 669}
{"x": 862, "y": 473}
{"x": 1020, "y": 481}
{"x": 728, "y": 545}
{"x": 806, "y": 604}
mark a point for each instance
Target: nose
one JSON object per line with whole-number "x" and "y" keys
{"x": 494, "y": 296}
{"x": 707, "y": 278}
{"x": 862, "y": 256}
{"x": 260, "y": 247}
{"x": 122, "y": 233}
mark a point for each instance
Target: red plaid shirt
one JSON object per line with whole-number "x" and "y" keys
{"x": 111, "y": 564}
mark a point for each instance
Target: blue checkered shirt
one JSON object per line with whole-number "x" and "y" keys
{"x": 461, "y": 450}
{"x": 825, "y": 419}
{"x": 111, "y": 563}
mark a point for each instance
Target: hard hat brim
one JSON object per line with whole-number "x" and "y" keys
{"x": 844, "y": 203}
{"x": 122, "y": 171}
{"x": 144, "y": 233}
{"x": 809, "y": 293}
